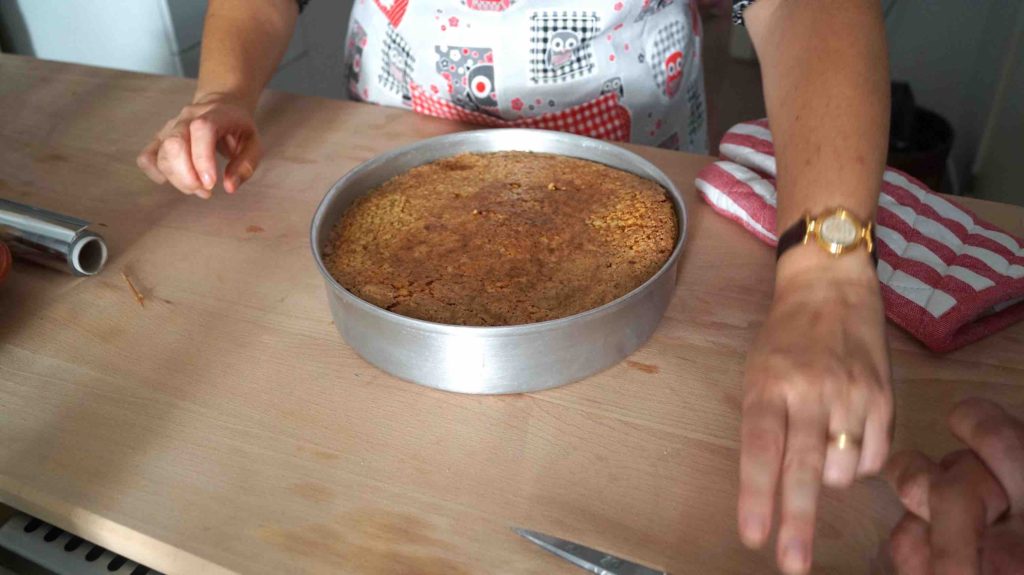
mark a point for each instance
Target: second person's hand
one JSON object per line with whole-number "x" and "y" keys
{"x": 965, "y": 514}
{"x": 184, "y": 151}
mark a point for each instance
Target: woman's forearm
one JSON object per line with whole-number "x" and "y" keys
{"x": 826, "y": 84}
{"x": 243, "y": 42}
{"x": 819, "y": 369}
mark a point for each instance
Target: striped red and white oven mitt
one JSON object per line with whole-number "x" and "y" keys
{"x": 948, "y": 277}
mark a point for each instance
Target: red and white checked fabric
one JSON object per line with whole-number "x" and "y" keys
{"x": 948, "y": 277}
{"x": 602, "y": 118}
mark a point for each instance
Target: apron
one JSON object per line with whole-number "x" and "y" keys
{"x": 619, "y": 70}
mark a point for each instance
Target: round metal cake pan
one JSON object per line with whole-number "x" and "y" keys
{"x": 505, "y": 359}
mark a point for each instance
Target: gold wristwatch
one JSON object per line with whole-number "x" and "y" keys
{"x": 836, "y": 231}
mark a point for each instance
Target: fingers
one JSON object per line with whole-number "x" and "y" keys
{"x": 185, "y": 151}
{"x": 146, "y": 161}
{"x": 998, "y": 440}
{"x": 960, "y": 497}
{"x": 910, "y": 474}
{"x": 974, "y": 477}
{"x": 877, "y": 437}
{"x": 842, "y": 458}
{"x": 802, "y": 469}
{"x": 958, "y": 515}
{"x": 244, "y": 164}
{"x": 762, "y": 436}
{"x": 175, "y": 161}
{"x": 204, "y": 150}
{"x": 909, "y": 545}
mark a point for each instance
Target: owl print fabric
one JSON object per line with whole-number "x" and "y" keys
{"x": 468, "y": 73}
{"x": 561, "y": 45}
{"x": 666, "y": 57}
{"x": 624, "y": 70}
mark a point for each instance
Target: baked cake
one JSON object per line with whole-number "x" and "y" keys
{"x": 502, "y": 239}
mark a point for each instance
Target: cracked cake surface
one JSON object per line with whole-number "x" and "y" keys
{"x": 502, "y": 239}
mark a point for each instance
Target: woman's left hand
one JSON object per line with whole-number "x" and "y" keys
{"x": 818, "y": 402}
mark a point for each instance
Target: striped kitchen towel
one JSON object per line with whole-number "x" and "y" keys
{"x": 948, "y": 277}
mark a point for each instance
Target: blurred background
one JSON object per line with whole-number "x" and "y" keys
{"x": 957, "y": 68}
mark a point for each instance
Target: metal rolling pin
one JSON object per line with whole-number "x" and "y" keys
{"x": 55, "y": 240}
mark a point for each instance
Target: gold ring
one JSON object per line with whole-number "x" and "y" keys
{"x": 844, "y": 440}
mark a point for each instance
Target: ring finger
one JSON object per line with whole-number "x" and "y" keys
{"x": 846, "y": 427}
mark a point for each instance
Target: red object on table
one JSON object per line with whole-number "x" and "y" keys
{"x": 948, "y": 277}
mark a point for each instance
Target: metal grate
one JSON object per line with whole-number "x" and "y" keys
{"x": 61, "y": 552}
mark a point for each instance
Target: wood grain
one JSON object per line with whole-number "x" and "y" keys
{"x": 226, "y": 427}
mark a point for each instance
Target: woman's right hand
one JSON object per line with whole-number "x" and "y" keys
{"x": 184, "y": 151}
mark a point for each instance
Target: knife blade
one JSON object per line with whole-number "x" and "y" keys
{"x": 587, "y": 558}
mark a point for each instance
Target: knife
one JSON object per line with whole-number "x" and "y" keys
{"x": 592, "y": 560}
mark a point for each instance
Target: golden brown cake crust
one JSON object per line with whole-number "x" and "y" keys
{"x": 502, "y": 239}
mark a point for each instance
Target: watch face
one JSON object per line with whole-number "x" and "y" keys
{"x": 838, "y": 230}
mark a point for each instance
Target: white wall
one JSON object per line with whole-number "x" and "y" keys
{"x": 952, "y": 54}
{"x": 126, "y": 34}
{"x": 999, "y": 171}
{"x": 164, "y": 37}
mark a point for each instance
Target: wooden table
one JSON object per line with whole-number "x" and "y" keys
{"x": 226, "y": 427}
